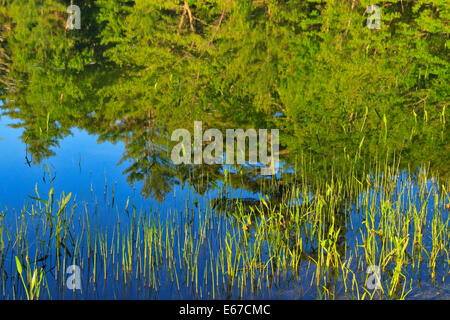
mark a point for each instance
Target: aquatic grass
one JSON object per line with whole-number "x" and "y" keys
{"x": 316, "y": 238}
{"x": 34, "y": 281}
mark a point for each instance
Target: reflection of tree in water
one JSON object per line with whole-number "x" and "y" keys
{"x": 150, "y": 165}
{"x": 5, "y": 60}
{"x": 135, "y": 84}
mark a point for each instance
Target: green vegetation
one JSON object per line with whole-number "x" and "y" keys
{"x": 317, "y": 240}
{"x": 136, "y": 66}
{"x": 364, "y": 142}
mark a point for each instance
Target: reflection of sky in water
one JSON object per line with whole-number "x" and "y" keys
{"x": 79, "y": 163}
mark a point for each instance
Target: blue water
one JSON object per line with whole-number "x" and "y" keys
{"x": 90, "y": 170}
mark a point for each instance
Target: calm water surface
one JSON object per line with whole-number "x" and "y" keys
{"x": 364, "y": 150}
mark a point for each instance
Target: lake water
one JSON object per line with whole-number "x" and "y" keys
{"x": 94, "y": 203}
{"x": 91, "y": 170}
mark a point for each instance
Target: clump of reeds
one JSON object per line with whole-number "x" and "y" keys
{"x": 316, "y": 238}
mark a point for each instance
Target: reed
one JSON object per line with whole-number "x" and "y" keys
{"x": 317, "y": 238}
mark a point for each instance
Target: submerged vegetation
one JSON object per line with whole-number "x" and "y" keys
{"x": 364, "y": 148}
